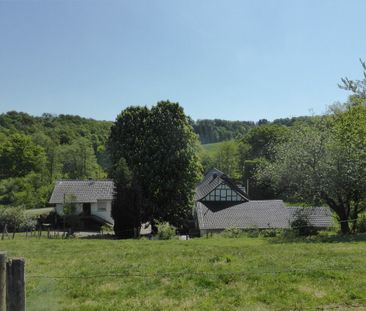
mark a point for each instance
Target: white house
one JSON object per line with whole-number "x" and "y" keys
{"x": 92, "y": 198}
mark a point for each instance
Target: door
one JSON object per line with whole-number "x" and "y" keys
{"x": 86, "y": 209}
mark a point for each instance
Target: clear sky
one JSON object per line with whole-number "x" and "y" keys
{"x": 236, "y": 60}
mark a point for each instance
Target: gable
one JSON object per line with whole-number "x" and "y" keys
{"x": 223, "y": 193}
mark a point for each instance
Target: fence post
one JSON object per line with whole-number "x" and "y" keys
{"x": 15, "y": 285}
{"x": 2, "y": 281}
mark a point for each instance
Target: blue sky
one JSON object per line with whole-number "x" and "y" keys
{"x": 237, "y": 60}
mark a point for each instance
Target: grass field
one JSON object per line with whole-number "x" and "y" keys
{"x": 199, "y": 274}
{"x": 212, "y": 148}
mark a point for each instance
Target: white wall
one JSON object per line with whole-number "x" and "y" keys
{"x": 94, "y": 209}
{"x": 60, "y": 209}
{"x": 106, "y": 215}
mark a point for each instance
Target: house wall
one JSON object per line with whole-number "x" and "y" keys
{"x": 60, "y": 209}
{"x": 103, "y": 210}
{"x": 204, "y": 232}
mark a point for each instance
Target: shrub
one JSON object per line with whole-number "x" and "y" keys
{"x": 253, "y": 233}
{"x": 15, "y": 218}
{"x": 361, "y": 224}
{"x": 232, "y": 233}
{"x": 301, "y": 225}
{"x": 269, "y": 233}
{"x": 165, "y": 231}
{"x": 106, "y": 229}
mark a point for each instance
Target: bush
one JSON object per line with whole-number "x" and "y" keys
{"x": 253, "y": 233}
{"x": 269, "y": 233}
{"x": 361, "y": 224}
{"x": 165, "y": 231}
{"x": 301, "y": 225}
{"x": 232, "y": 233}
{"x": 106, "y": 229}
{"x": 15, "y": 218}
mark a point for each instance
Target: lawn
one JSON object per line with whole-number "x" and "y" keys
{"x": 199, "y": 274}
{"x": 212, "y": 148}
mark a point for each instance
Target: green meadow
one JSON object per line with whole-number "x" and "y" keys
{"x": 200, "y": 274}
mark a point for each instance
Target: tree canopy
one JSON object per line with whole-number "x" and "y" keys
{"x": 156, "y": 151}
{"x": 324, "y": 163}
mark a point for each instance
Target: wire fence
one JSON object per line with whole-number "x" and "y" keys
{"x": 158, "y": 274}
{"x": 354, "y": 303}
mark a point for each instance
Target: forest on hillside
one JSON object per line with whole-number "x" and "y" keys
{"x": 37, "y": 150}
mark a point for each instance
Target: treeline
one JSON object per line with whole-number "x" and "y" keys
{"x": 212, "y": 131}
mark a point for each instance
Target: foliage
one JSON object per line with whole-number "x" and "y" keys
{"x": 325, "y": 162}
{"x": 34, "y": 151}
{"x": 69, "y": 204}
{"x": 361, "y": 224}
{"x": 301, "y": 224}
{"x": 165, "y": 231}
{"x": 19, "y": 156}
{"x": 30, "y": 191}
{"x": 15, "y": 218}
{"x": 212, "y": 131}
{"x": 232, "y": 233}
{"x": 106, "y": 229}
{"x": 262, "y": 138}
{"x": 357, "y": 87}
{"x": 226, "y": 158}
{"x": 159, "y": 148}
{"x": 78, "y": 160}
{"x": 262, "y": 190}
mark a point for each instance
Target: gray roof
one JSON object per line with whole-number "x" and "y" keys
{"x": 251, "y": 214}
{"x": 256, "y": 214}
{"x": 317, "y": 216}
{"x": 85, "y": 191}
{"x": 213, "y": 179}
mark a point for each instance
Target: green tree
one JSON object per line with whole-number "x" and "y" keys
{"x": 262, "y": 138}
{"x": 324, "y": 163}
{"x": 19, "y": 156}
{"x": 78, "y": 160}
{"x": 226, "y": 158}
{"x": 160, "y": 152}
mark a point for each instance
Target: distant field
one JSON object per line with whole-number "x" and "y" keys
{"x": 212, "y": 148}
{"x": 200, "y": 274}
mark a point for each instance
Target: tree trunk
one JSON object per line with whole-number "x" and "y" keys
{"x": 345, "y": 226}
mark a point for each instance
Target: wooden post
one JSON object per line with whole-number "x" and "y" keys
{"x": 2, "y": 281}
{"x": 15, "y": 300}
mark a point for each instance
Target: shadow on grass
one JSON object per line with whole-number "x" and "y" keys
{"x": 335, "y": 238}
{"x": 98, "y": 236}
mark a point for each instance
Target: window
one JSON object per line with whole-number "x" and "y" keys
{"x": 223, "y": 193}
{"x": 102, "y": 206}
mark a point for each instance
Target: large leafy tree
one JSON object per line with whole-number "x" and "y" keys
{"x": 324, "y": 163}
{"x": 153, "y": 151}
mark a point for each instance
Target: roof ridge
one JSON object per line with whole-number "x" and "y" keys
{"x": 84, "y": 180}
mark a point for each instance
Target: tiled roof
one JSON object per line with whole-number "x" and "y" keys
{"x": 256, "y": 214}
{"x": 317, "y": 216}
{"x": 251, "y": 214}
{"x": 85, "y": 191}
